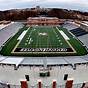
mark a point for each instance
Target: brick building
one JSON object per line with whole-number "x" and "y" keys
{"x": 43, "y": 21}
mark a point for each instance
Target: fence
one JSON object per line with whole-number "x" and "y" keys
{"x": 2, "y": 85}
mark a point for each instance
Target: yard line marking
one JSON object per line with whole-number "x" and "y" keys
{"x": 56, "y": 35}
{"x": 19, "y": 40}
{"x": 66, "y": 39}
{"x": 37, "y": 40}
{"x": 22, "y": 35}
{"x": 47, "y": 40}
{"x": 64, "y": 35}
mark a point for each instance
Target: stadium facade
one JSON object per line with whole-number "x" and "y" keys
{"x": 52, "y": 21}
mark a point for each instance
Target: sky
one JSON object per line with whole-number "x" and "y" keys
{"x": 81, "y": 5}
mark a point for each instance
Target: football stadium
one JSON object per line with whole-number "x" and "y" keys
{"x": 46, "y": 40}
{"x": 44, "y": 52}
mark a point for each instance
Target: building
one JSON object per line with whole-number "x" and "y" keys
{"x": 43, "y": 21}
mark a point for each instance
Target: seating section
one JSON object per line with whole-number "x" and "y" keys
{"x": 78, "y": 32}
{"x": 9, "y": 31}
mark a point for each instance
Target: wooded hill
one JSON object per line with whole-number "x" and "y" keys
{"x": 23, "y": 14}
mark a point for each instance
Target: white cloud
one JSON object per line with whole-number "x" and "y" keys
{"x": 69, "y": 1}
{"x": 59, "y": 0}
{"x": 74, "y": 4}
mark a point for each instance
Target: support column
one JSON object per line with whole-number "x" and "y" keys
{"x": 39, "y": 84}
{"x": 54, "y": 84}
{"x": 83, "y": 85}
{"x": 24, "y": 84}
{"x": 8, "y": 85}
{"x": 69, "y": 83}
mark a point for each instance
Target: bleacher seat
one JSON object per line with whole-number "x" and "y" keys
{"x": 78, "y": 32}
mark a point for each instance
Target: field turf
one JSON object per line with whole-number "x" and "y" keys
{"x": 43, "y": 41}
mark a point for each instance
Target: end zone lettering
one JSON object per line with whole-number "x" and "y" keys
{"x": 43, "y": 50}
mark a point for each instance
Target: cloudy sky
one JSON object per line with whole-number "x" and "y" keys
{"x": 81, "y": 5}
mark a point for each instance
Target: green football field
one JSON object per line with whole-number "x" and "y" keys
{"x": 43, "y": 41}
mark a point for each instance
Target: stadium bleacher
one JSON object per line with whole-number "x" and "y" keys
{"x": 9, "y": 31}
{"x": 69, "y": 26}
{"x": 78, "y": 32}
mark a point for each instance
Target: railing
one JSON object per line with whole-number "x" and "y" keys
{"x": 2, "y": 85}
{"x": 15, "y": 86}
{"x": 58, "y": 86}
